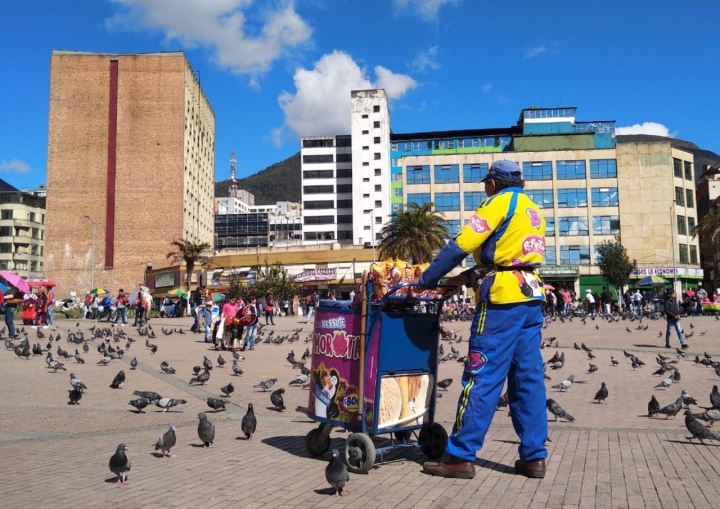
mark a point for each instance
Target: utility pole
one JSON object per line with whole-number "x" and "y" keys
{"x": 92, "y": 269}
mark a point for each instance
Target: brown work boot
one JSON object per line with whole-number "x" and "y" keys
{"x": 533, "y": 469}
{"x": 450, "y": 466}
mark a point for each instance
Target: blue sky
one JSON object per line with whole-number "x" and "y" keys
{"x": 274, "y": 70}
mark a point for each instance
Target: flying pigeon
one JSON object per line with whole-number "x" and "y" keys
{"x": 228, "y": 389}
{"x": 166, "y": 442}
{"x": 139, "y": 403}
{"x": 118, "y": 381}
{"x": 249, "y": 423}
{"x": 336, "y": 474}
{"x": 558, "y": 411}
{"x": 216, "y": 404}
{"x": 697, "y": 429}
{"x": 276, "y": 399}
{"x": 120, "y": 463}
{"x": 168, "y": 403}
{"x": 602, "y": 394}
{"x": 206, "y": 430}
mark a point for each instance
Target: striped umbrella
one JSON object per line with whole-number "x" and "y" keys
{"x": 99, "y": 291}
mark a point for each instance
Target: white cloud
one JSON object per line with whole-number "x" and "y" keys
{"x": 487, "y": 87}
{"x": 243, "y": 45}
{"x": 535, "y": 51}
{"x": 502, "y": 99}
{"x": 646, "y": 128}
{"x": 14, "y": 166}
{"x": 321, "y": 103}
{"x": 425, "y": 60}
{"x": 426, "y": 8}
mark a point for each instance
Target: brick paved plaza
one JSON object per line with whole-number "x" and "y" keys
{"x": 56, "y": 455}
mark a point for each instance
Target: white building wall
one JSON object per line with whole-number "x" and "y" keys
{"x": 314, "y": 233}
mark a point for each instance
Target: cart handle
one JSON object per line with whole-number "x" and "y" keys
{"x": 390, "y": 294}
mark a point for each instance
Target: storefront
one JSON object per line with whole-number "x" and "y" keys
{"x": 560, "y": 276}
{"x": 686, "y": 277}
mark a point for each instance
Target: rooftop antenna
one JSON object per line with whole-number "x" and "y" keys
{"x": 233, "y": 171}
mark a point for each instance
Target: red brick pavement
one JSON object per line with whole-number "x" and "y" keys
{"x": 56, "y": 455}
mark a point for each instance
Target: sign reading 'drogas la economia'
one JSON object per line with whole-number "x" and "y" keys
{"x": 317, "y": 275}
{"x": 667, "y": 271}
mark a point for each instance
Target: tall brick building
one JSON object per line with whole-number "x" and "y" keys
{"x": 131, "y": 148}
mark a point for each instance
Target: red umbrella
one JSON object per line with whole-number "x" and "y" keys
{"x": 40, "y": 281}
{"x": 16, "y": 281}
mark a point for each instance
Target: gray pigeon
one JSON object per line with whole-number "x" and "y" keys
{"x": 139, "y": 403}
{"x": 665, "y": 383}
{"x": 711, "y": 416}
{"x": 216, "y": 404}
{"x": 75, "y": 396}
{"x": 228, "y": 389}
{"x": 602, "y": 394}
{"x": 558, "y": 411}
{"x": 77, "y": 383}
{"x": 715, "y": 397}
{"x": 166, "y": 442}
{"x": 687, "y": 399}
{"x": 593, "y": 368}
{"x": 120, "y": 463}
{"x": 672, "y": 409}
{"x": 206, "y": 430}
{"x": 237, "y": 370}
{"x": 697, "y": 429}
{"x": 207, "y": 363}
{"x": 653, "y": 406}
{"x": 336, "y": 473}
{"x": 168, "y": 403}
{"x": 276, "y": 399}
{"x": 133, "y": 363}
{"x": 118, "y": 381}
{"x": 565, "y": 384}
{"x": 201, "y": 378}
{"x": 249, "y": 423}
{"x": 300, "y": 379}
{"x": 167, "y": 368}
{"x": 265, "y": 384}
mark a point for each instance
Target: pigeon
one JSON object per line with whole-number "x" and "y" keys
{"x": 206, "y": 430}
{"x": 676, "y": 376}
{"x": 77, "y": 383}
{"x": 300, "y": 379}
{"x": 120, "y": 463}
{"x": 118, "y": 381}
{"x": 54, "y": 365}
{"x": 614, "y": 361}
{"x": 558, "y": 411}
{"x": 201, "y": 378}
{"x": 237, "y": 370}
{"x": 133, "y": 363}
{"x": 75, "y": 396}
{"x": 602, "y": 394}
{"x": 168, "y": 403}
{"x": 565, "y": 384}
{"x": 697, "y": 429}
{"x": 216, "y": 404}
{"x": 665, "y": 383}
{"x": 576, "y": 347}
{"x": 715, "y": 397}
{"x": 591, "y": 355}
{"x": 221, "y": 362}
{"x": 152, "y": 396}
{"x": 265, "y": 384}
{"x": 710, "y": 416}
{"x": 593, "y": 368}
{"x": 653, "y": 406}
{"x": 672, "y": 409}
{"x": 634, "y": 362}
{"x": 139, "y": 403}
{"x": 79, "y": 358}
{"x": 105, "y": 360}
{"x": 249, "y": 423}
{"x": 166, "y": 442}
{"x": 197, "y": 370}
{"x": 228, "y": 389}
{"x": 336, "y": 474}
{"x": 167, "y": 368}
{"x": 444, "y": 384}
{"x": 687, "y": 399}
{"x": 276, "y": 399}
{"x": 153, "y": 350}
{"x": 207, "y": 363}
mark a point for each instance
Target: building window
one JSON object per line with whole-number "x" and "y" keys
{"x": 366, "y": 179}
{"x": 689, "y": 198}
{"x": 378, "y": 220}
{"x": 319, "y": 235}
{"x": 677, "y": 168}
{"x": 549, "y": 226}
{"x": 6, "y": 214}
{"x": 570, "y": 170}
{"x": 344, "y": 188}
{"x": 603, "y": 168}
{"x": 378, "y": 204}
{"x": 319, "y": 189}
{"x": 418, "y": 174}
{"x": 691, "y": 226}
{"x": 365, "y": 116}
{"x": 453, "y": 227}
{"x": 376, "y": 139}
{"x": 574, "y": 255}
{"x": 366, "y": 148}
{"x": 318, "y": 174}
{"x": 5, "y": 247}
{"x": 327, "y": 142}
{"x": 683, "y": 253}
{"x": 419, "y": 145}
{"x": 539, "y": 170}
{"x": 345, "y": 219}
{"x": 378, "y": 188}
{"x": 366, "y": 132}
{"x": 320, "y": 158}
{"x": 447, "y": 174}
{"x": 473, "y": 199}
{"x": 4, "y": 265}
{"x": 693, "y": 254}
{"x": 378, "y": 172}
{"x": 543, "y": 198}
{"x": 33, "y": 266}
{"x": 343, "y": 173}
{"x": 395, "y": 162}
{"x": 318, "y": 204}
{"x": 447, "y": 201}
{"x": 397, "y": 177}
{"x": 376, "y": 108}
{"x": 569, "y": 198}
{"x": 418, "y": 199}
{"x": 572, "y": 226}
{"x": 398, "y": 192}
{"x": 344, "y": 158}
{"x": 344, "y": 204}
{"x": 365, "y": 163}
{"x": 376, "y": 156}
{"x": 606, "y": 225}
{"x": 688, "y": 170}
{"x": 474, "y": 172}
{"x": 6, "y": 231}
{"x": 376, "y": 124}
{"x": 366, "y": 195}
{"x": 345, "y": 234}
{"x": 679, "y": 196}
{"x": 550, "y": 255}
{"x": 604, "y": 196}
{"x": 681, "y": 225}
{"x": 397, "y": 208}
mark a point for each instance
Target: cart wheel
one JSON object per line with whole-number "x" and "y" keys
{"x": 359, "y": 453}
{"x": 317, "y": 442}
{"x": 433, "y": 440}
{"x": 402, "y": 436}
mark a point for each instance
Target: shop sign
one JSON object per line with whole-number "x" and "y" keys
{"x": 316, "y": 275}
{"x": 559, "y": 270}
{"x": 667, "y": 271}
{"x": 162, "y": 280}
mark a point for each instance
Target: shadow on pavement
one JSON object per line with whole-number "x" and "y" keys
{"x": 295, "y": 445}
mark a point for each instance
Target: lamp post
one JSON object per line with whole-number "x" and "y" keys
{"x": 92, "y": 270}
{"x": 672, "y": 243}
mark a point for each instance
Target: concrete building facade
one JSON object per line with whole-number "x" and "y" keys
{"x": 131, "y": 158}
{"x": 22, "y": 231}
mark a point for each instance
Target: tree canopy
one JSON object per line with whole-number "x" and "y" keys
{"x": 192, "y": 254}
{"x": 414, "y": 235}
{"x": 614, "y": 263}
{"x": 277, "y": 281}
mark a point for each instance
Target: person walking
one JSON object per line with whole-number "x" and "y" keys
{"x": 42, "y": 306}
{"x": 506, "y": 237}
{"x": 121, "y": 308}
{"x": 11, "y": 301}
{"x": 606, "y": 298}
{"x": 50, "y": 305}
{"x": 672, "y": 315}
{"x": 637, "y": 302}
{"x": 311, "y": 302}
{"x": 251, "y": 330}
{"x": 590, "y": 302}
{"x": 269, "y": 308}
{"x": 229, "y": 310}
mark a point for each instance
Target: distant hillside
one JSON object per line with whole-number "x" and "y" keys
{"x": 279, "y": 182}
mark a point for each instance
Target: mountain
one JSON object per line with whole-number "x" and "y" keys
{"x": 279, "y": 182}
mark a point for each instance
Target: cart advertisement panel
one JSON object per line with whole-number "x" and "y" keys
{"x": 335, "y": 369}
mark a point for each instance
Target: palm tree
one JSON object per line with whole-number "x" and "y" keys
{"x": 414, "y": 235}
{"x": 192, "y": 254}
{"x": 708, "y": 228}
